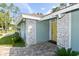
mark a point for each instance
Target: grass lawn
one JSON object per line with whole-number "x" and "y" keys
{"x": 8, "y": 40}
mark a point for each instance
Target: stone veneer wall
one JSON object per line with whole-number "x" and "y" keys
{"x": 63, "y": 31}
{"x": 31, "y": 32}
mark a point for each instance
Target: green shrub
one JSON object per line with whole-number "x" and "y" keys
{"x": 66, "y": 52}
{"x": 16, "y": 37}
{"x": 6, "y": 40}
{"x": 14, "y": 40}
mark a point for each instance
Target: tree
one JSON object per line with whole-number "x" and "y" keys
{"x": 5, "y": 14}
{"x": 11, "y": 8}
{"x": 2, "y": 20}
{"x": 55, "y": 9}
{"x": 7, "y": 20}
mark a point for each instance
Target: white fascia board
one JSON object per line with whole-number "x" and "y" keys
{"x": 18, "y": 20}
{"x": 48, "y": 17}
{"x": 61, "y": 11}
{"x": 31, "y": 17}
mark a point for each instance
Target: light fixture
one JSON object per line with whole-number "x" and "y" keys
{"x": 24, "y": 19}
{"x": 30, "y": 29}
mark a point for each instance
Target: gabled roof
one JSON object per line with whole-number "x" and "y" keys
{"x": 51, "y": 15}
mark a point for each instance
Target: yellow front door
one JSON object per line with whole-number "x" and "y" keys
{"x": 54, "y": 30}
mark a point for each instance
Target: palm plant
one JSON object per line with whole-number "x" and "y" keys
{"x": 66, "y": 52}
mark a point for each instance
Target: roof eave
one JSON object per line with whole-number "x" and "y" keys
{"x": 27, "y": 17}
{"x": 53, "y": 15}
{"x": 31, "y": 17}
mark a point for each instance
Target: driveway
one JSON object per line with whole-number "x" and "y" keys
{"x": 41, "y": 49}
{"x": 4, "y": 50}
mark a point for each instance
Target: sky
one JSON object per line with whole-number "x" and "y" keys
{"x": 44, "y": 8}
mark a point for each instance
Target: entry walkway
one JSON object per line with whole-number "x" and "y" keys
{"x": 42, "y": 49}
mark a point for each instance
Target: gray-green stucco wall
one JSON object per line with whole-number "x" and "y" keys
{"x": 42, "y": 31}
{"x": 75, "y": 30}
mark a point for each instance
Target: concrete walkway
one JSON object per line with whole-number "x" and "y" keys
{"x": 42, "y": 49}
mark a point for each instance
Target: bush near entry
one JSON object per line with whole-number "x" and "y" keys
{"x": 66, "y": 52}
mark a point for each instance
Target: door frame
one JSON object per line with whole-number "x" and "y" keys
{"x": 50, "y": 30}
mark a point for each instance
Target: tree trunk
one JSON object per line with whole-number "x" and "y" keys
{"x": 5, "y": 25}
{"x": 2, "y": 27}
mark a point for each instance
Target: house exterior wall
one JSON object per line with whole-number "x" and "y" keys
{"x": 22, "y": 30}
{"x": 75, "y": 30}
{"x": 63, "y": 31}
{"x": 42, "y": 31}
{"x": 31, "y": 31}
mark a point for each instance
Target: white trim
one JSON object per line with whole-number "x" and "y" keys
{"x": 69, "y": 30}
{"x": 31, "y": 17}
{"x": 35, "y": 33}
{"x": 57, "y": 31}
{"x": 26, "y": 32}
{"x": 49, "y": 29}
{"x": 18, "y": 20}
{"x": 61, "y": 11}
{"x": 50, "y": 21}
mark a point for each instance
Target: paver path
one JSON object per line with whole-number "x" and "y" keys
{"x": 42, "y": 49}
